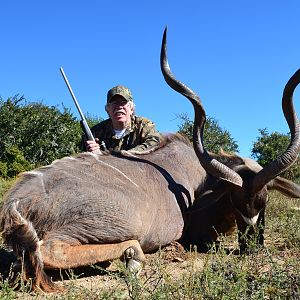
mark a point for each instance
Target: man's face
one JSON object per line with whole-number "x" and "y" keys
{"x": 120, "y": 111}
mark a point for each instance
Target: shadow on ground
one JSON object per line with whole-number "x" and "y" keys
{"x": 7, "y": 258}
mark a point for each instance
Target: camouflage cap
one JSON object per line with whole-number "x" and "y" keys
{"x": 119, "y": 90}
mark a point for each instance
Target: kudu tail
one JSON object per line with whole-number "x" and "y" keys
{"x": 20, "y": 234}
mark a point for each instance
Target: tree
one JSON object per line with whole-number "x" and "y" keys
{"x": 215, "y": 138}
{"x": 268, "y": 147}
{"x": 33, "y": 134}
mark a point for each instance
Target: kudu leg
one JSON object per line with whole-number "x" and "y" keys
{"x": 60, "y": 255}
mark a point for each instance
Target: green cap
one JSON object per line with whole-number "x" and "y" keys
{"x": 119, "y": 90}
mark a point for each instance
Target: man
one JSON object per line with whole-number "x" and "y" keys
{"x": 123, "y": 130}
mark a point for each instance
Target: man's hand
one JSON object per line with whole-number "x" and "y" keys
{"x": 92, "y": 146}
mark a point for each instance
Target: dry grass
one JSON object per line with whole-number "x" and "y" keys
{"x": 272, "y": 273}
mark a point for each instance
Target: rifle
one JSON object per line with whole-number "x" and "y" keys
{"x": 85, "y": 127}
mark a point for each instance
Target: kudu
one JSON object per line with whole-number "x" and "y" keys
{"x": 236, "y": 191}
{"x": 91, "y": 208}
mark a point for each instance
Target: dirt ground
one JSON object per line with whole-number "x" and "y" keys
{"x": 172, "y": 258}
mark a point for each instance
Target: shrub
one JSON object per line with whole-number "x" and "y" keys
{"x": 33, "y": 134}
{"x": 215, "y": 138}
{"x": 269, "y": 146}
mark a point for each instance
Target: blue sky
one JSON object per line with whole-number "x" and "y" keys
{"x": 237, "y": 55}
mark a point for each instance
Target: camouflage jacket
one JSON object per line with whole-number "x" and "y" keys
{"x": 141, "y": 135}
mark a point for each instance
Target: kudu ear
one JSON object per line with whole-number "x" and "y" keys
{"x": 285, "y": 187}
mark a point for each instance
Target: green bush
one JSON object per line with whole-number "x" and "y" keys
{"x": 5, "y": 184}
{"x": 215, "y": 138}
{"x": 33, "y": 134}
{"x": 270, "y": 146}
{"x": 15, "y": 162}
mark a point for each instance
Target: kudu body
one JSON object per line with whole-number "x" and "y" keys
{"x": 92, "y": 208}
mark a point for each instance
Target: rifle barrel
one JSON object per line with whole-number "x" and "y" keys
{"x": 71, "y": 92}
{"x": 83, "y": 122}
